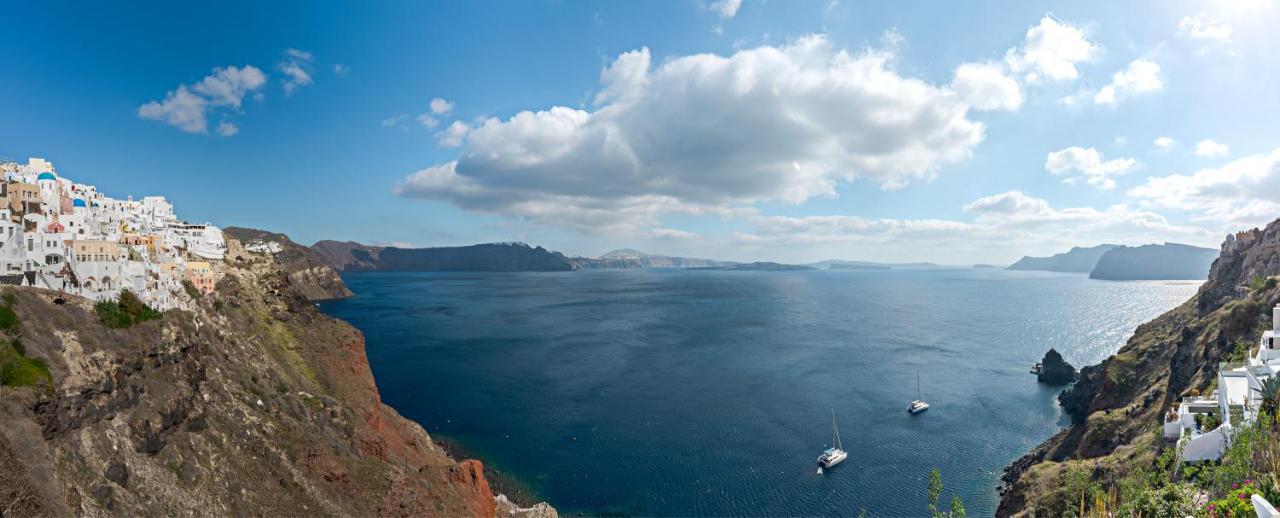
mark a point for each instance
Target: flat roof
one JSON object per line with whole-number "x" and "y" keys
{"x": 1237, "y": 388}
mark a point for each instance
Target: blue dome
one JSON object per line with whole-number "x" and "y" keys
{"x": 47, "y": 176}
{"x": 77, "y": 202}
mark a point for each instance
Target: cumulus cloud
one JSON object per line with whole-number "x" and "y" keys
{"x": 440, "y": 106}
{"x": 227, "y": 86}
{"x": 709, "y": 134}
{"x": 187, "y": 108}
{"x": 1243, "y": 192}
{"x": 1209, "y": 148}
{"x": 1140, "y": 76}
{"x": 986, "y": 87}
{"x": 1008, "y": 224}
{"x": 1088, "y": 161}
{"x": 1051, "y": 51}
{"x": 227, "y": 129}
{"x": 1164, "y": 143}
{"x": 454, "y": 135}
{"x": 427, "y": 121}
{"x": 295, "y": 67}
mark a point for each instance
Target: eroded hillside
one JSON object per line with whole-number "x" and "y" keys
{"x": 252, "y": 403}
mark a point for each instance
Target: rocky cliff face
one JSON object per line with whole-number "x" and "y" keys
{"x": 1076, "y": 260}
{"x": 1116, "y": 405}
{"x": 307, "y": 274}
{"x": 252, "y": 403}
{"x": 1154, "y": 262}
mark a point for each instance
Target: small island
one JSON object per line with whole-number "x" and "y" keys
{"x": 1053, "y": 370}
{"x": 755, "y": 267}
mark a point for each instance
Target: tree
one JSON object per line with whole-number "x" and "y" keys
{"x": 957, "y": 507}
{"x": 935, "y": 491}
{"x": 1270, "y": 393}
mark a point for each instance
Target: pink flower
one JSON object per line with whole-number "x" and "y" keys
{"x": 1235, "y": 485}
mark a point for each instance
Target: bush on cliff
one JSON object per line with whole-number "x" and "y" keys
{"x": 126, "y": 311}
{"x": 16, "y": 370}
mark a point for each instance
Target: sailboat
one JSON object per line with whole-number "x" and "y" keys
{"x": 835, "y": 454}
{"x": 918, "y": 405}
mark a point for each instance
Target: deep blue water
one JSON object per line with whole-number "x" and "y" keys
{"x": 671, "y": 392}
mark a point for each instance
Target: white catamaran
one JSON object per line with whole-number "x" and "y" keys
{"x": 918, "y": 405}
{"x": 835, "y": 454}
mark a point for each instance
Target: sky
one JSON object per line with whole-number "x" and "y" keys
{"x": 952, "y": 132}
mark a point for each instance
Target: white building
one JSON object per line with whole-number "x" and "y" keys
{"x": 1235, "y": 403}
{"x": 80, "y": 241}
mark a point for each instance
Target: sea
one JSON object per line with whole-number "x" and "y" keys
{"x": 665, "y": 392}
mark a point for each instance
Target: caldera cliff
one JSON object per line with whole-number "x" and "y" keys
{"x": 249, "y": 402}
{"x": 1117, "y": 406}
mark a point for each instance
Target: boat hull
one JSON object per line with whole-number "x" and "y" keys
{"x": 829, "y": 460}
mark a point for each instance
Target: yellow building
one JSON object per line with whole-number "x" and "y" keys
{"x": 95, "y": 250}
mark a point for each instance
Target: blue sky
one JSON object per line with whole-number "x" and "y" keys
{"x": 942, "y": 131}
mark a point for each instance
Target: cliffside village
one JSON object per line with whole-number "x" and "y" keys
{"x": 62, "y": 235}
{"x": 1202, "y": 425}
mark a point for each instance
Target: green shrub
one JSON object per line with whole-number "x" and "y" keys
{"x": 8, "y": 320}
{"x": 24, "y": 372}
{"x": 191, "y": 290}
{"x": 1235, "y": 503}
{"x": 126, "y": 311}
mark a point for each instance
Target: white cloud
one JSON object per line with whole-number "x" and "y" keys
{"x": 393, "y": 120}
{"x": 180, "y": 109}
{"x": 227, "y": 129}
{"x": 295, "y": 70}
{"x": 1051, "y": 51}
{"x": 671, "y": 234}
{"x": 707, "y": 134}
{"x": 454, "y": 135}
{"x": 227, "y": 86}
{"x": 1202, "y": 27}
{"x": 1089, "y": 162}
{"x": 986, "y": 87}
{"x": 1209, "y": 148}
{"x": 1140, "y": 76}
{"x": 1164, "y": 143}
{"x": 298, "y": 54}
{"x": 1243, "y": 192}
{"x": 427, "y": 121}
{"x": 1004, "y": 225}
{"x": 440, "y": 106}
{"x": 187, "y": 108}
{"x": 341, "y": 69}
{"x": 725, "y": 8}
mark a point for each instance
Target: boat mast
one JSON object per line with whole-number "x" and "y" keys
{"x": 918, "y": 393}
{"x": 835, "y": 433}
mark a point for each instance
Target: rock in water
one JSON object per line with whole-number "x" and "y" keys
{"x": 1054, "y": 370}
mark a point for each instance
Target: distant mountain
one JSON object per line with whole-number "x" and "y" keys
{"x": 851, "y": 266}
{"x": 1155, "y": 262}
{"x": 1077, "y": 260}
{"x": 492, "y": 257}
{"x": 632, "y": 258}
{"x": 838, "y": 264}
{"x": 758, "y": 267}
